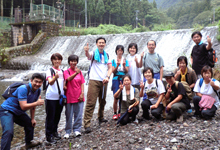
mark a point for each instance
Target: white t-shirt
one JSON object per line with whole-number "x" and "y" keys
{"x": 133, "y": 70}
{"x": 153, "y": 87}
{"x": 99, "y": 70}
{"x": 207, "y": 89}
{"x": 52, "y": 92}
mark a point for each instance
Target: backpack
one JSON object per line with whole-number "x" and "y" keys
{"x": 212, "y": 58}
{"x": 189, "y": 93}
{"x": 45, "y": 84}
{"x": 145, "y": 56}
{"x": 200, "y": 84}
{"x": 91, "y": 65}
{"x": 13, "y": 87}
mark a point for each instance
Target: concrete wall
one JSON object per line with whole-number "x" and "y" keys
{"x": 24, "y": 33}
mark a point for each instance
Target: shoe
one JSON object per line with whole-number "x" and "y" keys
{"x": 88, "y": 130}
{"x": 66, "y": 136}
{"x": 180, "y": 119}
{"x": 77, "y": 133}
{"x": 115, "y": 117}
{"x": 102, "y": 120}
{"x": 119, "y": 115}
{"x": 135, "y": 121}
{"x": 32, "y": 144}
{"x": 51, "y": 140}
{"x": 56, "y": 136}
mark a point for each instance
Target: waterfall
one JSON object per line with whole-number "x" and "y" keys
{"x": 170, "y": 45}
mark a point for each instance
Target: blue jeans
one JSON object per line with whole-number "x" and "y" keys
{"x": 156, "y": 76}
{"x": 75, "y": 109}
{"x": 7, "y": 122}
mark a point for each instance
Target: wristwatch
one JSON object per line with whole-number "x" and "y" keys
{"x": 108, "y": 77}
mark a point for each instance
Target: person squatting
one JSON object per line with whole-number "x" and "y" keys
{"x": 184, "y": 85}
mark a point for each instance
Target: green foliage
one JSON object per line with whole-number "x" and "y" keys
{"x": 218, "y": 36}
{"x": 197, "y": 27}
{"x": 203, "y": 18}
{"x": 163, "y": 27}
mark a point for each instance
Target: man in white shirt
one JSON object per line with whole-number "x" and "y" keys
{"x": 100, "y": 72}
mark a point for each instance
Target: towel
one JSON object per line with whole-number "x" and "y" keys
{"x": 124, "y": 95}
{"x": 98, "y": 56}
{"x": 121, "y": 67}
{"x": 183, "y": 76}
{"x": 206, "y": 102}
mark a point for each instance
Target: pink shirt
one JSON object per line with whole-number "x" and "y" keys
{"x": 73, "y": 87}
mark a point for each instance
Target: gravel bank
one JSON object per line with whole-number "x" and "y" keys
{"x": 193, "y": 133}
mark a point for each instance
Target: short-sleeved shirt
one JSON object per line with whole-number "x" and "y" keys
{"x": 98, "y": 70}
{"x": 74, "y": 86}
{"x": 154, "y": 61}
{"x": 121, "y": 70}
{"x": 128, "y": 102}
{"x": 199, "y": 55}
{"x": 180, "y": 91}
{"x": 207, "y": 89}
{"x": 133, "y": 70}
{"x": 52, "y": 92}
{"x": 153, "y": 87}
{"x": 21, "y": 94}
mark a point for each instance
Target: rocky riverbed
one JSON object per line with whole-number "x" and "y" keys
{"x": 193, "y": 134}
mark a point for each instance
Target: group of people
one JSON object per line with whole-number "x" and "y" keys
{"x": 128, "y": 86}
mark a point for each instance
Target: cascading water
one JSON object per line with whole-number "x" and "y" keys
{"x": 170, "y": 45}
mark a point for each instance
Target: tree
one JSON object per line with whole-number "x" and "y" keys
{"x": 100, "y": 10}
{"x": 154, "y": 4}
{"x": 2, "y": 9}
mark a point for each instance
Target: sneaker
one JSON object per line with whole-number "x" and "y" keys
{"x": 115, "y": 117}
{"x": 135, "y": 121}
{"x": 32, "y": 144}
{"x": 77, "y": 133}
{"x": 56, "y": 136}
{"x": 88, "y": 130}
{"x": 51, "y": 140}
{"x": 66, "y": 136}
{"x": 180, "y": 119}
{"x": 119, "y": 115}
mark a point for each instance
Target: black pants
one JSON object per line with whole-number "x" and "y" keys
{"x": 126, "y": 119}
{"x": 155, "y": 112}
{"x": 206, "y": 114}
{"x": 53, "y": 112}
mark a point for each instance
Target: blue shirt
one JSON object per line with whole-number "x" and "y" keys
{"x": 120, "y": 73}
{"x": 21, "y": 94}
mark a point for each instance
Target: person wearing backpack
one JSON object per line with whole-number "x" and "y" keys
{"x": 75, "y": 97}
{"x": 206, "y": 101}
{"x": 178, "y": 100}
{"x": 155, "y": 90}
{"x": 100, "y": 73}
{"x": 153, "y": 60}
{"x": 13, "y": 110}
{"x": 130, "y": 101}
{"x": 199, "y": 55}
{"x": 119, "y": 68}
{"x": 54, "y": 77}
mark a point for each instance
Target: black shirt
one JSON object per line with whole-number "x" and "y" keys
{"x": 199, "y": 55}
{"x": 181, "y": 90}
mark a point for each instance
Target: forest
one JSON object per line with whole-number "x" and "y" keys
{"x": 148, "y": 13}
